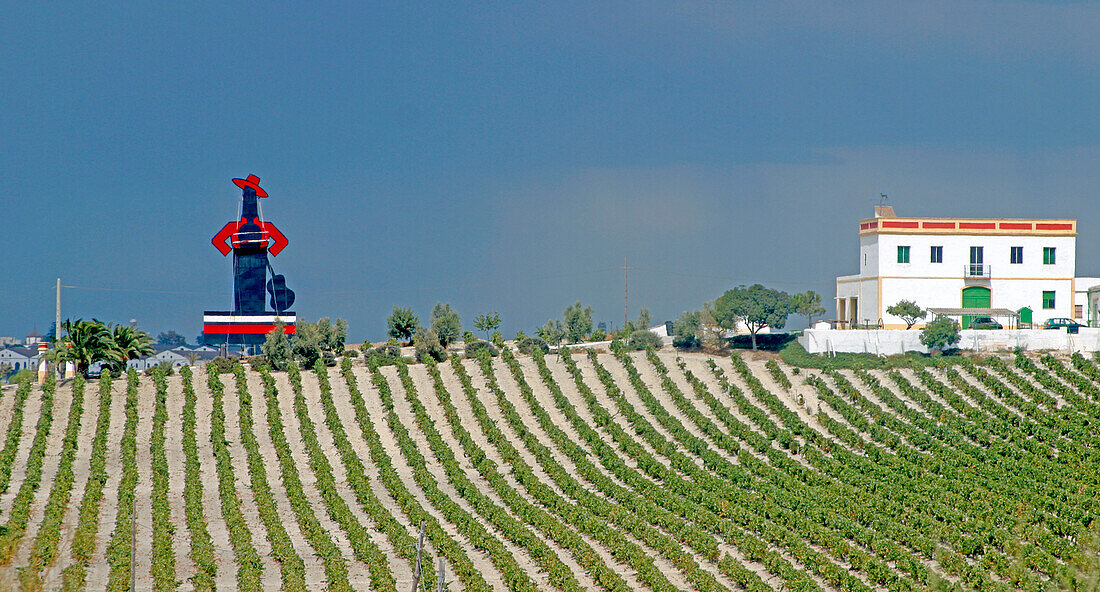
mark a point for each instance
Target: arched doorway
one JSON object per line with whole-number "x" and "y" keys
{"x": 974, "y": 297}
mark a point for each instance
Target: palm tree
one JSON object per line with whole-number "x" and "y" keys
{"x": 128, "y": 344}
{"x": 86, "y": 343}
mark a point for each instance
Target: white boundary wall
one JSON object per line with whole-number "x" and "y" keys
{"x": 886, "y": 342}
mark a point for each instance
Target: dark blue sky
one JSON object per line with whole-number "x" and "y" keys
{"x": 510, "y": 158}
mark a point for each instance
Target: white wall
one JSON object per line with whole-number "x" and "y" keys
{"x": 886, "y": 342}
{"x": 1012, "y": 294}
{"x": 956, "y": 255}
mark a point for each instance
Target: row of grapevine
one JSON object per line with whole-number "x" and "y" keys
{"x": 44, "y": 548}
{"x": 291, "y": 567}
{"x": 202, "y": 547}
{"x": 249, "y": 565}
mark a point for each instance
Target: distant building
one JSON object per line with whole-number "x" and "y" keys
{"x": 957, "y": 263}
{"x": 19, "y": 358}
{"x": 33, "y": 338}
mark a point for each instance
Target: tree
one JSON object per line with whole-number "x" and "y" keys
{"x": 578, "y": 322}
{"x": 644, "y": 320}
{"x": 552, "y": 332}
{"x": 334, "y": 334}
{"x": 755, "y": 306}
{"x": 686, "y": 329}
{"x": 128, "y": 343}
{"x": 171, "y": 339}
{"x": 710, "y": 333}
{"x": 487, "y": 322}
{"x": 429, "y": 345}
{"x": 644, "y": 339}
{"x": 402, "y": 324}
{"x": 446, "y": 324}
{"x": 277, "y": 348}
{"x": 908, "y": 311}
{"x": 808, "y": 304}
{"x": 312, "y": 340}
{"x": 85, "y": 343}
{"x": 940, "y": 334}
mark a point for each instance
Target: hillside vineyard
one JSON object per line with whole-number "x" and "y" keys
{"x": 646, "y": 471}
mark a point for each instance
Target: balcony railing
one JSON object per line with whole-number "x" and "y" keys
{"x": 976, "y": 270}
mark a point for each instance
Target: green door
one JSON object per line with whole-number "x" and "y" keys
{"x": 1025, "y": 316}
{"x": 974, "y": 297}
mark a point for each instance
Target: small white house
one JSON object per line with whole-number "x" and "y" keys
{"x": 979, "y": 264}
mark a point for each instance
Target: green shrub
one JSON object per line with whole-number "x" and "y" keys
{"x": 940, "y": 334}
{"x": 221, "y": 364}
{"x": 351, "y": 353}
{"x": 643, "y": 339}
{"x": 599, "y": 335}
{"x": 795, "y": 355}
{"x": 685, "y": 341}
{"x": 475, "y": 347}
{"x": 259, "y": 363}
{"x": 428, "y": 346}
{"x": 528, "y": 345}
{"x": 383, "y": 355}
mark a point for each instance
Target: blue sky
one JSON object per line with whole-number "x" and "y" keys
{"x": 510, "y": 158}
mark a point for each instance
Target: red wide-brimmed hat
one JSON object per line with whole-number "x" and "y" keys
{"x": 252, "y": 181}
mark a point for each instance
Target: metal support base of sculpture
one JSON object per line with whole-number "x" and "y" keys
{"x": 251, "y": 240}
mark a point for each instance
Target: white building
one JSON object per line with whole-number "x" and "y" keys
{"x": 964, "y": 263}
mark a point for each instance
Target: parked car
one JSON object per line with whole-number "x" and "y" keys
{"x": 985, "y": 323}
{"x": 1060, "y": 322}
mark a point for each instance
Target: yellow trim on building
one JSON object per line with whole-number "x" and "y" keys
{"x": 950, "y": 277}
{"x": 969, "y": 226}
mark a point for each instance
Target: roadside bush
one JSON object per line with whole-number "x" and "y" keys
{"x": 474, "y": 348}
{"x": 328, "y": 357}
{"x": 222, "y": 364}
{"x": 259, "y": 363}
{"x": 599, "y": 335}
{"x": 643, "y": 339}
{"x": 764, "y": 341}
{"x": 685, "y": 342}
{"x": 428, "y": 346}
{"x": 391, "y": 351}
{"x": 351, "y": 353}
{"x": 940, "y": 334}
{"x": 795, "y": 355}
{"x": 383, "y": 355}
{"x": 527, "y": 345}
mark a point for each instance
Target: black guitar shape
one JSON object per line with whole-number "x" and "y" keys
{"x": 282, "y": 297}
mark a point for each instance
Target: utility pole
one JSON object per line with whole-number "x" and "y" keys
{"x": 626, "y": 293}
{"x": 57, "y": 315}
{"x": 419, "y": 553}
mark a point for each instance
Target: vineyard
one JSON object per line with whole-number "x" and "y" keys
{"x": 579, "y": 471}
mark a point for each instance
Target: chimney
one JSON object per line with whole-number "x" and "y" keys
{"x": 885, "y": 212}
